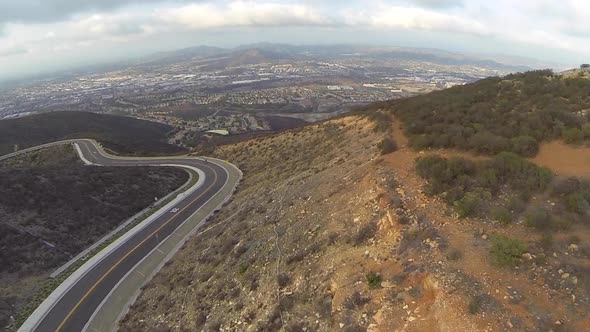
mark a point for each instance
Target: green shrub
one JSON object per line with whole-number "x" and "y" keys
{"x": 577, "y": 203}
{"x": 539, "y": 218}
{"x": 469, "y": 205}
{"x": 488, "y": 143}
{"x": 546, "y": 241}
{"x": 373, "y": 279}
{"x": 573, "y": 135}
{"x": 381, "y": 120}
{"x": 516, "y": 204}
{"x": 471, "y": 186}
{"x": 387, "y": 146}
{"x": 525, "y": 146}
{"x": 506, "y": 251}
{"x": 502, "y": 215}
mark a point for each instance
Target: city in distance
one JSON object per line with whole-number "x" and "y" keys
{"x": 261, "y": 87}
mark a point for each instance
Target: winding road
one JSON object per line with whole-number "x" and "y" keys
{"x": 75, "y": 304}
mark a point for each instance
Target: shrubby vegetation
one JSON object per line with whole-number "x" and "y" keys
{"x": 122, "y": 134}
{"x": 373, "y": 279}
{"x": 514, "y": 113}
{"x": 387, "y": 145}
{"x": 574, "y": 196}
{"x": 500, "y": 188}
{"x": 506, "y": 251}
{"x": 381, "y": 119}
{"x": 48, "y": 214}
{"x": 70, "y": 207}
{"x": 471, "y": 186}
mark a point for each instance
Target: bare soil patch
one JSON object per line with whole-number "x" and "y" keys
{"x": 564, "y": 159}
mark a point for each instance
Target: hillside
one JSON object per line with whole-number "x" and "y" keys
{"x": 350, "y": 225}
{"x": 122, "y": 134}
{"x": 515, "y": 113}
{"x": 52, "y": 207}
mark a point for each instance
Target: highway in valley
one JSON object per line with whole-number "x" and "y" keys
{"x": 74, "y": 305}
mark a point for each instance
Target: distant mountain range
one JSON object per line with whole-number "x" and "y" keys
{"x": 267, "y": 52}
{"x": 219, "y": 58}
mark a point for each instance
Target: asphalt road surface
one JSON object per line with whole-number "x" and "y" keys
{"x": 76, "y": 307}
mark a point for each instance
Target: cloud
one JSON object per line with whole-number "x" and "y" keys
{"x": 396, "y": 17}
{"x": 44, "y": 11}
{"x": 100, "y": 26}
{"x": 438, "y": 3}
{"x": 241, "y": 14}
{"x": 65, "y": 29}
{"x": 6, "y": 52}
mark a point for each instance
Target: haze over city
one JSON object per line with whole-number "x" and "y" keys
{"x": 45, "y": 36}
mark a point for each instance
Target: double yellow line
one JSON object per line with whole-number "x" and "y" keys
{"x": 69, "y": 315}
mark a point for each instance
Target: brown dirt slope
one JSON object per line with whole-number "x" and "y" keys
{"x": 325, "y": 234}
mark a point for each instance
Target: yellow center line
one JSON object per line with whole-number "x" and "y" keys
{"x": 61, "y": 325}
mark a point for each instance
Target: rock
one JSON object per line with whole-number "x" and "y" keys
{"x": 341, "y": 325}
{"x": 509, "y": 323}
{"x": 527, "y": 256}
{"x": 573, "y": 247}
{"x": 565, "y": 276}
{"x": 560, "y": 271}
{"x": 387, "y": 284}
{"x": 484, "y": 237}
{"x": 411, "y": 319}
{"x": 575, "y": 280}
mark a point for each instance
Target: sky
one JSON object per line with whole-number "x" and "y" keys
{"x": 38, "y": 36}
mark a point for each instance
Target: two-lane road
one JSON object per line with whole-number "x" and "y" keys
{"x": 75, "y": 307}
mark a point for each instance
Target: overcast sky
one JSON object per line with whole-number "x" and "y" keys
{"x": 44, "y": 35}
